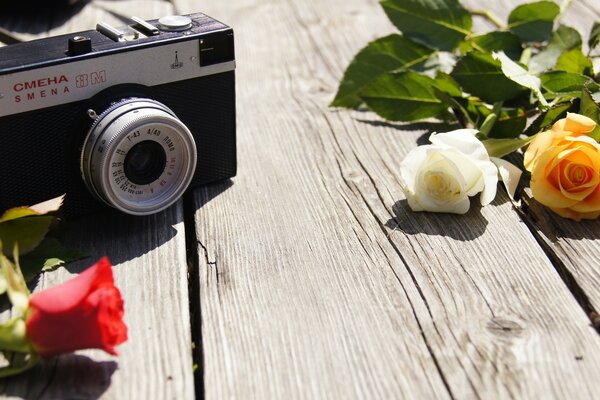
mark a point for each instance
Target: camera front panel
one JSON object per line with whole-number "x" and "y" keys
{"x": 42, "y": 147}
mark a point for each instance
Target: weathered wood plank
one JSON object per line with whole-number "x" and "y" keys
{"x": 149, "y": 261}
{"x": 315, "y": 279}
{"x": 149, "y": 255}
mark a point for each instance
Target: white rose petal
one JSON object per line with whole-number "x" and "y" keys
{"x": 440, "y": 177}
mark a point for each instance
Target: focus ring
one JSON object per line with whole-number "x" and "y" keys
{"x": 114, "y": 133}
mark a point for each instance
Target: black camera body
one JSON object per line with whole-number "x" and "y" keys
{"x": 127, "y": 117}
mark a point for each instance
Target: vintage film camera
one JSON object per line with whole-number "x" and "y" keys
{"x": 128, "y": 117}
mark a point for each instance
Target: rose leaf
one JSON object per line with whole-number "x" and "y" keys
{"x": 404, "y": 96}
{"x": 28, "y": 232}
{"x": 562, "y": 83}
{"x": 533, "y": 22}
{"x": 390, "y": 53}
{"x": 563, "y": 39}
{"x": 520, "y": 75}
{"x": 441, "y": 24}
{"x": 499, "y": 41}
{"x": 590, "y": 107}
{"x": 576, "y": 62}
{"x": 480, "y": 75}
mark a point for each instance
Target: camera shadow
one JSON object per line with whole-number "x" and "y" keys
{"x": 119, "y": 236}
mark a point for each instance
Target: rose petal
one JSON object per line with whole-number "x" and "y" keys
{"x": 578, "y": 124}
{"x": 463, "y": 140}
{"x": 70, "y": 293}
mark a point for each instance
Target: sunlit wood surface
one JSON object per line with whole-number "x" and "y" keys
{"x": 306, "y": 276}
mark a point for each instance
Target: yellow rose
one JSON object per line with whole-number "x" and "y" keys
{"x": 573, "y": 125}
{"x": 566, "y": 177}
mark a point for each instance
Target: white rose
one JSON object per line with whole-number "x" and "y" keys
{"x": 441, "y": 176}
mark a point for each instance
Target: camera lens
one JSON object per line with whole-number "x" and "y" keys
{"x": 145, "y": 162}
{"x": 138, "y": 157}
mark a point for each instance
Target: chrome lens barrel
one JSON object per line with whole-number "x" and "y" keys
{"x": 138, "y": 157}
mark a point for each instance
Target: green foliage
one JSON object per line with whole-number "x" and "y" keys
{"x": 574, "y": 61}
{"x": 563, "y": 39}
{"x": 590, "y": 106}
{"x": 405, "y": 96}
{"x": 533, "y": 22}
{"x": 503, "y": 147}
{"x": 480, "y": 75}
{"x": 390, "y": 53}
{"x": 495, "y": 81}
{"x": 562, "y": 83}
{"x": 495, "y": 41}
{"x": 25, "y": 229}
{"x": 440, "y": 24}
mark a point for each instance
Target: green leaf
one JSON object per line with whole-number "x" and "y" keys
{"x": 594, "y": 39}
{"x": 49, "y": 255}
{"x": 510, "y": 124}
{"x": 533, "y": 22}
{"x": 404, "y": 96}
{"x": 561, "y": 82}
{"x": 549, "y": 117}
{"x": 446, "y": 83}
{"x": 590, "y": 107}
{"x": 499, "y": 41}
{"x": 441, "y": 24}
{"x": 482, "y": 76}
{"x": 390, "y": 53}
{"x": 575, "y": 61}
{"x": 501, "y": 147}
{"x": 28, "y": 232}
{"x": 27, "y": 226}
{"x": 563, "y": 39}
{"x": 520, "y": 75}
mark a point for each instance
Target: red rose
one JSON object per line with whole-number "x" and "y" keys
{"x": 85, "y": 312}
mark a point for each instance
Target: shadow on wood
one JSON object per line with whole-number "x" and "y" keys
{"x": 68, "y": 376}
{"x": 461, "y": 227}
{"x": 23, "y": 17}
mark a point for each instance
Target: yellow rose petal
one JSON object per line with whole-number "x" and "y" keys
{"x": 578, "y": 124}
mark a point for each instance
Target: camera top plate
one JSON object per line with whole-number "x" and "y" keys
{"x": 54, "y": 50}
{"x": 68, "y": 68}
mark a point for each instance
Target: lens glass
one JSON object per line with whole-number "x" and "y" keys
{"x": 145, "y": 162}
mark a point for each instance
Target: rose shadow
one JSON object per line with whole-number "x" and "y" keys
{"x": 464, "y": 227}
{"x": 69, "y": 376}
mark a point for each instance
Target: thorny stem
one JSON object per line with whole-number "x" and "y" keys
{"x": 490, "y": 17}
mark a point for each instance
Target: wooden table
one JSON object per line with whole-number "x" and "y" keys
{"x": 306, "y": 276}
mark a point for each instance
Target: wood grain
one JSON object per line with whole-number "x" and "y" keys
{"x": 149, "y": 261}
{"x": 315, "y": 279}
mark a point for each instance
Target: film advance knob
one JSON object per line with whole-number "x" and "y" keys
{"x": 175, "y": 23}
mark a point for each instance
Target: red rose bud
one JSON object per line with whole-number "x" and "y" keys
{"x": 84, "y": 312}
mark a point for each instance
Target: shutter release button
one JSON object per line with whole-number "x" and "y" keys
{"x": 174, "y": 23}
